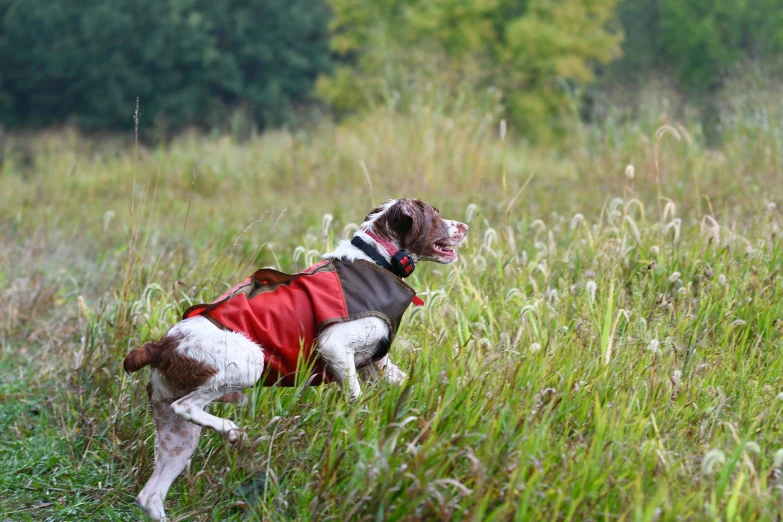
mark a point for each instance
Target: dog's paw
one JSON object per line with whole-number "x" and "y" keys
{"x": 237, "y": 437}
{"x": 395, "y": 375}
{"x": 152, "y": 505}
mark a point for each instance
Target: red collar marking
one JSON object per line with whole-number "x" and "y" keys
{"x": 385, "y": 243}
{"x": 391, "y": 250}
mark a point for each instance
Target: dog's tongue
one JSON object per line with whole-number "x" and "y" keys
{"x": 417, "y": 301}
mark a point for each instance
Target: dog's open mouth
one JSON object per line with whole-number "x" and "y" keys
{"x": 445, "y": 250}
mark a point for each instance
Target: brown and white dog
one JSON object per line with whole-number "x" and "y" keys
{"x": 198, "y": 362}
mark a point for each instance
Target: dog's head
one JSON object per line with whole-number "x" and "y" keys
{"x": 417, "y": 227}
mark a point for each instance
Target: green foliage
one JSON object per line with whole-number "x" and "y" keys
{"x": 702, "y": 38}
{"x": 533, "y": 52}
{"x": 189, "y": 61}
{"x": 640, "y": 53}
{"x": 514, "y": 408}
{"x": 699, "y": 40}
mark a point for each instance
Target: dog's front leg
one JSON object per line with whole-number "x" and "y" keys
{"x": 390, "y": 371}
{"x": 353, "y": 381}
{"x": 337, "y": 351}
{"x": 342, "y": 365}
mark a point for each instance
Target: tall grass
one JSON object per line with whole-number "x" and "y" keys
{"x": 606, "y": 347}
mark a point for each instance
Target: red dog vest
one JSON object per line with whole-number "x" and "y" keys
{"x": 285, "y": 313}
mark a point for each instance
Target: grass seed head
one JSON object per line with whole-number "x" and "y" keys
{"x": 752, "y": 447}
{"x": 538, "y": 224}
{"x": 326, "y": 224}
{"x": 107, "y": 217}
{"x": 710, "y": 225}
{"x": 490, "y": 237}
{"x": 349, "y": 230}
{"x": 713, "y": 458}
{"x": 777, "y": 461}
{"x": 675, "y": 225}
{"x": 591, "y": 287}
{"x": 669, "y": 210}
{"x": 470, "y": 212}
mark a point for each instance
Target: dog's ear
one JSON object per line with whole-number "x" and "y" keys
{"x": 400, "y": 217}
{"x": 373, "y": 213}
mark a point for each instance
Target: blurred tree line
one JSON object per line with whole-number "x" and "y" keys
{"x": 200, "y": 62}
{"x": 529, "y": 53}
{"x": 698, "y": 41}
{"x": 190, "y": 62}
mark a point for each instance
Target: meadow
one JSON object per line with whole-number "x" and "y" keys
{"x": 606, "y": 348}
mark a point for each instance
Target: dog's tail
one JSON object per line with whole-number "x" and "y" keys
{"x": 145, "y": 355}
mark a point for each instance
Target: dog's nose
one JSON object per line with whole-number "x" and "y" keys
{"x": 462, "y": 227}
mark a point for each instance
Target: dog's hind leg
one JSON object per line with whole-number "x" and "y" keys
{"x": 191, "y": 408}
{"x": 176, "y": 441}
{"x": 235, "y": 363}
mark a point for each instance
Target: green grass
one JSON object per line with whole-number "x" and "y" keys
{"x": 606, "y": 348}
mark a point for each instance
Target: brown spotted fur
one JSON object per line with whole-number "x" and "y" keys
{"x": 415, "y": 225}
{"x": 180, "y": 371}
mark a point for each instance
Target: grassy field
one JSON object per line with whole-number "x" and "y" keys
{"x": 607, "y": 347}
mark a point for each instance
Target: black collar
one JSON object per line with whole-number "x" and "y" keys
{"x": 370, "y": 251}
{"x": 399, "y": 269}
